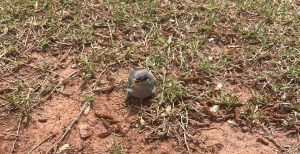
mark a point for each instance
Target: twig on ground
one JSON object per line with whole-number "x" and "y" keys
{"x": 191, "y": 79}
{"x": 10, "y": 134}
{"x": 185, "y": 134}
{"x": 161, "y": 99}
{"x": 274, "y": 142}
{"x": 111, "y": 125}
{"x": 43, "y": 141}
{"x": 210, "y": 128}
{"x": 271, "y": 139}
{"x": 262, "y": 141}
{"x": 45, "y": 98}
{"x": 35, "y": 67}
{"x": 102, "y": 73}
{"x": 105, "y": 69}
{"x": 86, "y": 104}
{"x": 108, "y": 118}
{"x": 105, "y": 90}
{"x": 82, "y": 86}
{"x": 110, "y": 32}
{"x": 3, "y": 79}
{"x": 17, "y": 135}
{"x": 3, "y": 54}
{"x": 71, "y": 74}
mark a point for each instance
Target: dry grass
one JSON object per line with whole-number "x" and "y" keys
{"x": 190, "y": 47}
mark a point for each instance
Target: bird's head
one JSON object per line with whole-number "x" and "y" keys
{"x": 142, "y": 78}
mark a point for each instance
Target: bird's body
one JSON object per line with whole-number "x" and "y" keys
{"x": 140, "y": 84}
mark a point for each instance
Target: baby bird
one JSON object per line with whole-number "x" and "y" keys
{"x": 141, "y": 84}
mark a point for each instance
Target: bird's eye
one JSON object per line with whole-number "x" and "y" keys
{"x": 137, "y": 81}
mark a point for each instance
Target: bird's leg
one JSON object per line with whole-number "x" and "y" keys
{"x": 141, "y": 102}
{"x": 126, "y": 99}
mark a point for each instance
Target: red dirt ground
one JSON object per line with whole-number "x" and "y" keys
{"x": 57, "y": 113}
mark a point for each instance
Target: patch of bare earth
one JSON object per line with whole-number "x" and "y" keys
{"x": 224, "y": 138}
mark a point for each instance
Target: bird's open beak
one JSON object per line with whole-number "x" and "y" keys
{"x": 136, "y": 82}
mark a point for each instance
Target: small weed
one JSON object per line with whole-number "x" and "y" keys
{"x": 205, "y": 66}
{"x": 225, "y": 61}
{"x": 89, "y": 98}
{"x": 170, "y": 90}
{"x": 121, "y": 16}
{"x": 44, "y": 42}
{"x": 116, "y": 148}
{"x": 291, "y": 120}
{"x": 44, "y": 65}
{"x": 298, "y": 107}
{"x": 288, "y": 54}
{"x": 97, "y": 56}
{"x": 16, "y": 66}
{"x": 67, "y": 2}
{"x": 129, "y": 55}
{"x": 197, "y": 44}
{"x": 254, "y": 113}
{"x": 156, "y": 60}
{"x": 19, "y": 99}
{"x": 227, "y": 99}
{"x": 88, "y": 69}
{"x": 12, "y": 51}
{"x": 295, "y": 71}
{"x": 258, "y": 98}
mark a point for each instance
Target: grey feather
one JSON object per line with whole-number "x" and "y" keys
{"x": 146, "y": 87}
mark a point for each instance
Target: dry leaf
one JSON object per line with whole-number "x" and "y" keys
{"x": 87, "y": 108}
{"x": 219, "y": 86}
{"x": 63, "y": 148}
{"x": 214, "y": 108}
{"x": 168, "y": 109}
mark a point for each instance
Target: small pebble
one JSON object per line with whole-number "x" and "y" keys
{"x": 85, "y": 131}
{"x": 262, "y": 141}
{"x": 245, "y": 129}
{"x": 42, "y": 120}
{"x": 74, "y": 66}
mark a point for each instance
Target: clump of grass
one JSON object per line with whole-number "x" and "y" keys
{"x": 225, "y": 61}
{"x": 254, "y": 114}
{"x": 19, "y": 99}
{"x": 24, "y": 95}
{"x": 206, "y": 66}
{"x": 44, "y": 65}
{"x": 12, "y": 50}
{"x": 258, "y": 98}
{"x": 227, "y": 99}
{"x": 295, "y": 71}
{"x": 88, "y": 69}
{"x": 298, "y": 107}
{"x": 170, "y": 90}
{"x": 43, "y": 43}
{"x": 116, "y": 148}
{"x": 156, "y": 60}
{"x": 121, "y": 16}
{"x": 89, "y": 98}
{"x": 129, "y": 54}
